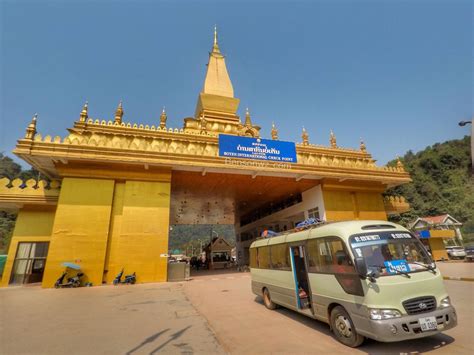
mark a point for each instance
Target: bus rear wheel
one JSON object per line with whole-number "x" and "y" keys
{"x": 267, "y": 300}
{"x": 343, "y": 328}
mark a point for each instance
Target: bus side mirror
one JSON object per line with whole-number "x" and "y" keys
{"x": 361, "y": 267}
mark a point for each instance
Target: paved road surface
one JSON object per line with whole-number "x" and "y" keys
{"x": 243, "y": 325}
{"x": 139, "y": 319}
{"x": 456, "y": 269}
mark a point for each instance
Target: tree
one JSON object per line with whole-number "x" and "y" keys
{"x": 11, "y": 170}
{"x": 442, "y": 183}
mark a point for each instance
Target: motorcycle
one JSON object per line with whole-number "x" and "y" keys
{"x": 129, "y": 279}
{"x": 74, "y": 281}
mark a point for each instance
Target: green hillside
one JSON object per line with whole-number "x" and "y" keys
{"x": 442, "y": 183}
{"x": 11, "y": 170}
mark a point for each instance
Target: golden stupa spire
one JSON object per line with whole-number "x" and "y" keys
{"x": 215, "y": 47}
{"x": 274, "y": 132}
{"x": 163, "y": 118}
{"x": 119, "y": 113}
{"x": 362, "y": 146}
{"x": 31, "y": 129}
{"x": 84, "y": 114}
{"x": 217, "y": 80}
{"x": 248, "y": 121}
{"x": 332, "y": 140}
{"x": 305, "y": 137}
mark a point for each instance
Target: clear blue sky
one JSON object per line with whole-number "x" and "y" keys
{"x": 397, "y": 73}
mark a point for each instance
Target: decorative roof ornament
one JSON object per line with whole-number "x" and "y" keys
{"x": 248, "y": 121}
{"x": 363, "y": 148}
{"x": 215, "y": 47}
{"x": 203, "y": 123}
{"x": 305, "y": 137}
{"x": 399, "y": 163}
{"x": 274, "y": 132}
{"x": 163, "y": 118}
{"x": 332, "y": 140}
{"x": 119, "y": 113}
{"x": 84, "y": 114}
{"x": 31, "y": 129}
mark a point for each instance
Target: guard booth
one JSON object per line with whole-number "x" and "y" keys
{"x": 219, "y": 253}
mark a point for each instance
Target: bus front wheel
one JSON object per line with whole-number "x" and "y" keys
{"x": 267, "y": 300}
{"x": 343, "y": 328}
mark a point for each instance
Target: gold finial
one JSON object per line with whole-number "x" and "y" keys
{"x": 332, "y": 140}
{"x": 163, "y": 118}
{"x": 362, "y": 146}
{"x": 31, "y": 129}
{"x": 399, "y": 163}
{"x": 248, "y": 121}
{"x": 84, "y": 114}
{"x": 215, "y": 35}
{"x": 215, "y": 47}
{"x": 203, "y": 123}
{"x": 274, "y": 132}
{"x": 119, "y": 113}
{"x": 305, "y": 137}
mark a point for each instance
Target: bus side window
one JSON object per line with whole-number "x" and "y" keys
{"x": 313, "y": 256}
{"x": 280, "y": 257}
{"x": 329, "y": 255}
{"x": 253, "y": 258}
{"x": 263, "y": 257}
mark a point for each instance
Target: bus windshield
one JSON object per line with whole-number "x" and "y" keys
{"x": 391, "y": 253}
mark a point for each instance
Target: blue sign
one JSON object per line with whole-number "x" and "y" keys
{"x": 256, "y": 148}
{"x": 397, "y": 265}
{"x": 425, "y": 234}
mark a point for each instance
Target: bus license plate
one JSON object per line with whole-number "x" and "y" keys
{"x": 428, "y": 323}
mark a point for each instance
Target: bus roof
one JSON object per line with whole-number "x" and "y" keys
{"x": 342, "y": 229}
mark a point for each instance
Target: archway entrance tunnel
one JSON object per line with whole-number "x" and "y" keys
{"x": 239, "y": 207}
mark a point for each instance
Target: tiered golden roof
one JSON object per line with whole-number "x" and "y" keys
{"x": 195, "y": 145}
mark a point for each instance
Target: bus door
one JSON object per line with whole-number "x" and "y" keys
{"x": 300, "y": 275}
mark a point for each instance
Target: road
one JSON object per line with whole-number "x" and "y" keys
{"x": 212, "y": 314}
{"x": 243, "y": 325}
{"x": 139, "y": 319}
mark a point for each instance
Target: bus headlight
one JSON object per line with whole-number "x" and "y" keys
{"x": 379, "y": 314}
{"x": 445, "y": 302}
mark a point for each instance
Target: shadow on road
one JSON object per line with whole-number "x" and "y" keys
{"x": 172, "y": 337}
{"x": 370, "y": 346}
{"x": 148, "y": 340}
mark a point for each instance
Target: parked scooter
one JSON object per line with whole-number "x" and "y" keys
{"x": 129, "y": 279}
{"x": 74, "y": 281}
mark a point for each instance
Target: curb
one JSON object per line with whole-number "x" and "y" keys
{"x": 454, "y": 278}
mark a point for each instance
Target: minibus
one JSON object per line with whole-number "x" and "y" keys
{"x": 371, "y": 279}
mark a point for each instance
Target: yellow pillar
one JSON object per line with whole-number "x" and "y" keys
{"x": 81, "y": 228}
{"x": 139, "y": 230}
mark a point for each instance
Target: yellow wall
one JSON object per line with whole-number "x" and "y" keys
{"x": 139, "y": 232}
{"x": 348, "y": 205}
{"x": 437, "y": 249}
{"x": 80, "y": 229}
{"x": 370, "y": 205}
{"x": 32, "y": 225}
{"x": 442, "y": 233}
